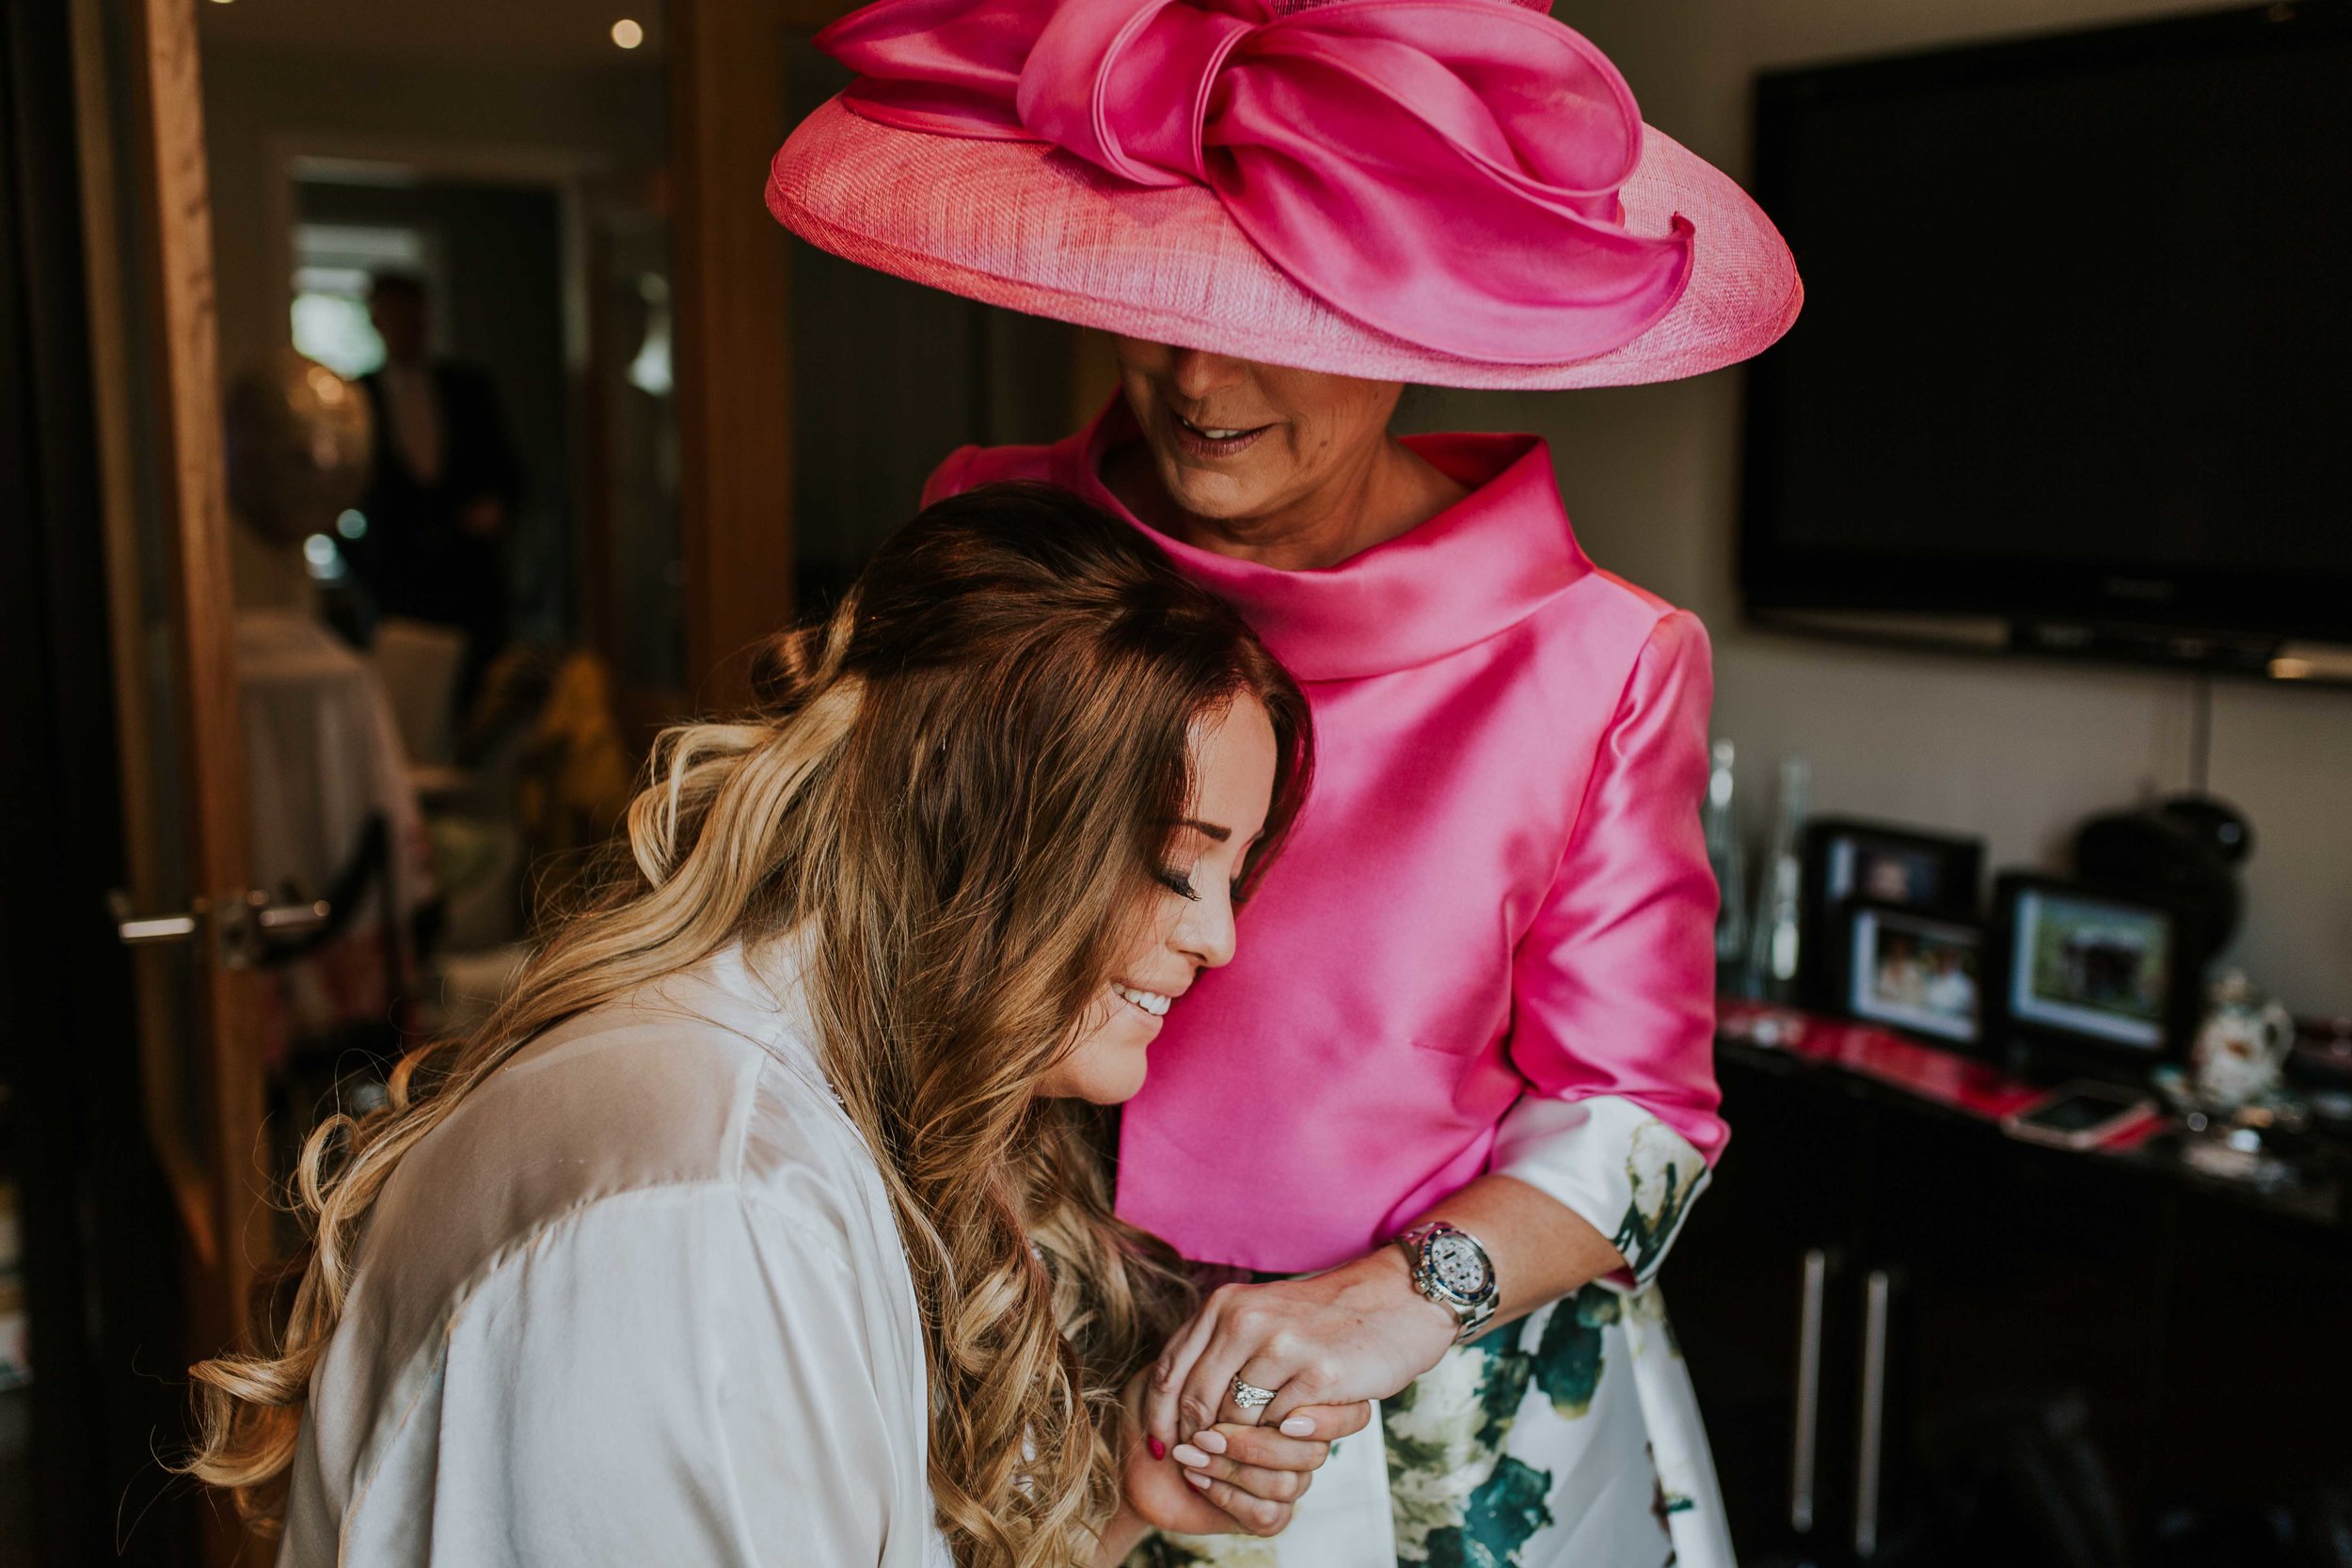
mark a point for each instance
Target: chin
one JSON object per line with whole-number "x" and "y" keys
{"x": 1110, "y": 1069}
{"x": 1109, "y": 1082}
{"x": 1206, "y": 492}
{"x": 1110, "y": 1091}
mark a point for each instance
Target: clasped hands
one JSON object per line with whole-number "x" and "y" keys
{"x": 1326, "y": 1345}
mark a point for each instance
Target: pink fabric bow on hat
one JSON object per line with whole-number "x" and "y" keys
{"x": 1444, "y": 170}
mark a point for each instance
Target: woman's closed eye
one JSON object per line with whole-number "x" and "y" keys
{"x": 1180, "y": 882}
{"x": 1177, "y": 882}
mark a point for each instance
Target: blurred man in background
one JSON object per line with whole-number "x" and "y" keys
{"x": 442, "y": 502}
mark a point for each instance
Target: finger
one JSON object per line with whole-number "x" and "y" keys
{"x": 1271, "y": 1485}
{"x": 1255, "y": 1515}
{"x": 1206, "y": 1398}
{"x": 1305, "y": 1386}
{"x": 1261, "y": 1445}
{"x": 1262, "y": 1370}
{"x": 1168, "y": 1374}
{"x": 1324, "y": 1422}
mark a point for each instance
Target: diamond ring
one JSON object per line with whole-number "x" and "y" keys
{"x": 1248, "y": 1396}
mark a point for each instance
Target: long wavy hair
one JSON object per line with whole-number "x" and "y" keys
{"x": 961, "y": 786}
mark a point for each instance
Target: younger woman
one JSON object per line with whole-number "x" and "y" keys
{"x": 761, "y": 1226}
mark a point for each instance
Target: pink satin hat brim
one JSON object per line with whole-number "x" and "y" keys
{"x": 1034, "y": 230}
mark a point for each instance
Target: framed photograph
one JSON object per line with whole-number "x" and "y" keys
{"x": 2088, "y": 974}
{"x": 1913, "y": 971}
{"x": 1848, "y": 860}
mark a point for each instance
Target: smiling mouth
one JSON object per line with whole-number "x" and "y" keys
{"x": 1147, "y": 1002}
{"x": 1213, "y": 440}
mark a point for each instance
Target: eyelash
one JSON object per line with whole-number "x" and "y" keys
{"x": 1180, "y": 885}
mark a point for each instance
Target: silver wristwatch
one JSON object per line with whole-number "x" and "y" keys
{"x": 1453, "y": 1271}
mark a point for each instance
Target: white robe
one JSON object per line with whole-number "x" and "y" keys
{"x": 639, "y": 1299}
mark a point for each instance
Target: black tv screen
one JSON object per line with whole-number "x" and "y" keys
{"x": 2077, "y": 335}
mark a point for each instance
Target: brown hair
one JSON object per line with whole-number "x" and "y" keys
{"x": 961, "y": 784}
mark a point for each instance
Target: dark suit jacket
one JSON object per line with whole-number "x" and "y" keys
{"x": 417, "y": 558}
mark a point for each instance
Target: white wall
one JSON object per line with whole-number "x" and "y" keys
{"x": 2015, "y": 751}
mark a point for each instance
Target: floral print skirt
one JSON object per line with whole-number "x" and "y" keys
{"x": 1567, "y": 1439}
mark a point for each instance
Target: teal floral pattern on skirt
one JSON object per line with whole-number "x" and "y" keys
{"x": 1567, "y": 1439}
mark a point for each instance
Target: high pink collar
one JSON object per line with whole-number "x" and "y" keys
{"x": 1484, "y": 563}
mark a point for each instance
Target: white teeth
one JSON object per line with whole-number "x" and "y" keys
{"x": 1207, "y": 433}
{"x": 1150, "y": 1001}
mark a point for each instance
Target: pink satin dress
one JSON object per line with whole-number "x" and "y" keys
{"x": 1488, "y": 947}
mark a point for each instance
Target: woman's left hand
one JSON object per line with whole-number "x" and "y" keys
{"x": 1232, "y": 1479}
{"x": 1359, "y": 1332}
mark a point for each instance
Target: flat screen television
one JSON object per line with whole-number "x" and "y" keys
{"x": 2076, "y": 349}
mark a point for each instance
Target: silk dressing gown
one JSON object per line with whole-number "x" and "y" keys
{"x": 639, "y": 1299}
{"x": 1490, "y": 948}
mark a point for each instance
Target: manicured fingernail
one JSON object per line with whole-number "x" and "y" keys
{"x": 1159, "y": 1449}
{"x": 1209, "y": 1439}
{"x": 1198, "y": 1479}
{"x": 1186, "y": 1454}
{"x": 1299, "y": 1426}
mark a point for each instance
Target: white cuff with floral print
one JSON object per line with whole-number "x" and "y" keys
{"x": 1621, "y": 1169}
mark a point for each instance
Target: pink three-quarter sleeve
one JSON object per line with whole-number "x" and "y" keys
{"x": 1612, "y": 986}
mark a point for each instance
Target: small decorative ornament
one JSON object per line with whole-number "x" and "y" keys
{"x": 2242, "y": 1046}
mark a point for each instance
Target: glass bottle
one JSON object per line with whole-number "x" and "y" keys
{"x": 1772, "y": 941}
{"x": 1729, "y": 862}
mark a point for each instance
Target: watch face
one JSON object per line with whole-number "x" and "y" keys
{"x": 1460, "y": 1265}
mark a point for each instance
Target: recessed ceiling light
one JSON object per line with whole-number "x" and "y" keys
{"x": 628, "y": 34}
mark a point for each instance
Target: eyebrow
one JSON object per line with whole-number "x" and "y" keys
{"x": 1221, "y": 834}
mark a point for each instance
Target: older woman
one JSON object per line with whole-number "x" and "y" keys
{"x": 1439, "y": 1125}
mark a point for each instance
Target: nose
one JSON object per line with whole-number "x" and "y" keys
{"x": 1204, "y": 934}
{"x": 1196, "y": 373}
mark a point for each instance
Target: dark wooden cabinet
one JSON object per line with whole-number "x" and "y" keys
{"x": 1761, "y": 1290}
{"x": 1906, "y": 1327}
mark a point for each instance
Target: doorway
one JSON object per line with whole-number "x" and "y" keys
{"x": 291, "y": 826}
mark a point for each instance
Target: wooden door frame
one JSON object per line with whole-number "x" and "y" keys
{"x": 223, "y": 1189}
{"x": 97, "y": 1216}
{"x": 728, "y": 114}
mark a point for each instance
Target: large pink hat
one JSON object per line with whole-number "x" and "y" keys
{"x": 1453, "y": 192}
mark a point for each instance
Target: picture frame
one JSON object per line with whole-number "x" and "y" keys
{"x": 2089, "y": 978}
{"x": 1852, "y": 859}
{"x": 1913, "y": 970}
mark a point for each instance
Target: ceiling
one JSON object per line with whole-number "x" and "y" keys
{"x": 569, "y": 31}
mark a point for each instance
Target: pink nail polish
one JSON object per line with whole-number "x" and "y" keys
{"x": 1186, "y": 1454}
{"x": 1299, "y": 1426}
{"x": 1198, "y": 1479}
{"x": 1159, "y": 1449}
{"x": 1209, "y": 1439}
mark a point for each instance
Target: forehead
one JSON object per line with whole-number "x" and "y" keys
{"x": 1234, "y": 757}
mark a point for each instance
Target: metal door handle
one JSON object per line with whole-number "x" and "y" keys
{"x": 258, "y": 919}
{"x": 286, "y": 920}
{"x": 1804, "y": 1442}
{"x": 150, "y": 930}
{"x": 1868, "y": 1466}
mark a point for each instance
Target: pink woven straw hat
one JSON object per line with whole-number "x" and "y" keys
{"x": 1454, "y": 192}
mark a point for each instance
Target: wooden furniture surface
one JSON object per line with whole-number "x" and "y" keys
{"x": 1877, "y": 1278}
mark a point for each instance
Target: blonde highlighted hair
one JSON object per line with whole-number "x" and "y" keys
{"x": 961, "y": 785}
